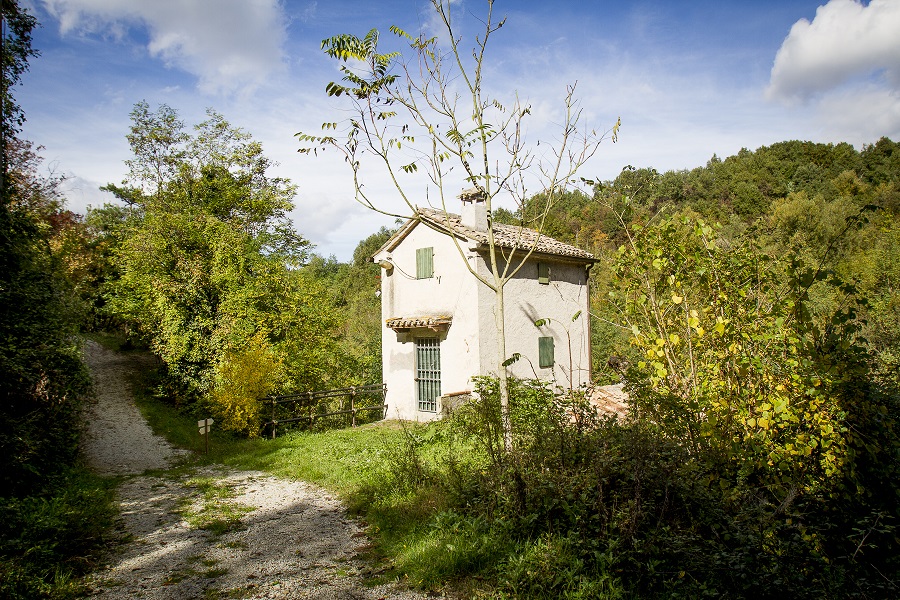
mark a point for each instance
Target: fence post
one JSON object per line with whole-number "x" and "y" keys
{"x": 274, "y": 406}
{"x": 352, "y": 407}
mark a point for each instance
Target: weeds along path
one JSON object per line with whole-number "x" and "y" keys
{"x": 212, "y": 532}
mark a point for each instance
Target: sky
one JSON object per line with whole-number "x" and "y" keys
{"x": 687, "y": 79}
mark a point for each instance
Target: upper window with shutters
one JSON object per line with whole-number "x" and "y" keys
{"x": 543, "y": 273}
{"x": 424, "y": 263}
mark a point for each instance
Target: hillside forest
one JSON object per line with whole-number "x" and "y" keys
{"x": 750, "y": 305}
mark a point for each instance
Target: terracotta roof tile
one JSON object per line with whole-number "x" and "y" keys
{"x": 505, "y": 236}
{"x": 429, "y": 322}
{"x": 609, "y": 399}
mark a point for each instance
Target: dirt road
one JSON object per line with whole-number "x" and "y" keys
{"x": 213, "y": 532}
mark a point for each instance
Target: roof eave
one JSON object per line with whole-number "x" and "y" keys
{"x": 537, "y": 254}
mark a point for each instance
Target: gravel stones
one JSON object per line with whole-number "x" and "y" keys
{"x": 214, "y": 532}
{"x": 118, "y": 440}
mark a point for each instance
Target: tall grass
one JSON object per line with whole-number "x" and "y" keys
{"x": 583, "y": 508}
{"x": 49, "y": 540}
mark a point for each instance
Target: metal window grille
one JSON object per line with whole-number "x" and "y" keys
{"x": 428, "y": 373}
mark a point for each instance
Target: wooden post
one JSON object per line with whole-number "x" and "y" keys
{"x": 352, "y": 407}
{"x": 274, "y": 423}
{"x": 204, "y": 425}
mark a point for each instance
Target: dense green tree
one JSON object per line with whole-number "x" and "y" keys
{"x": 768, "y": 389}
{"x": 15, "y": 51}
{"x": 43, "y": 378}
{"x": 354, "y": 289}
{"x": 205, "y": 266}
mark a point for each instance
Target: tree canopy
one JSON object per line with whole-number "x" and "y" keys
{"x": 207, "y": 268}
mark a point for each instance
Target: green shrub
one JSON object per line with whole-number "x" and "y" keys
{"x": 47, "y": 541}
{"x": 588, "y": 507}
{"x": 242, "y": 378}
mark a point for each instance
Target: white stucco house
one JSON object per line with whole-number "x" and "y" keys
{"x": 438, "y": 320}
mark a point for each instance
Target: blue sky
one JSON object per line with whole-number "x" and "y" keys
{"x": 688, "y": 79}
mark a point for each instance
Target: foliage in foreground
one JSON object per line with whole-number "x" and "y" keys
{"x": 760, "y": 459}
{"x": 51, "y": 515}
{"x": 597, "y": 508}
{"x": 42, "y": 379}
{"x": 47, "y": 541}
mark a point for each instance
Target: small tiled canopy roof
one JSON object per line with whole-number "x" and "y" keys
{"x": 505, "y": 236}
{"x": 436, "y": 323}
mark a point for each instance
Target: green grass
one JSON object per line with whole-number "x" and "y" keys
{"x": 340, "y": 460}
{"x": 48, "y": 541}
{"x": 359, "y": 465}
{"x": 210, "y": 508}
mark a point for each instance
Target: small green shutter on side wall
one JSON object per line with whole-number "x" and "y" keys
{"x": 424, "y": 263}
{"x": 543, "y": 273}
{"x": 545, "y": 352}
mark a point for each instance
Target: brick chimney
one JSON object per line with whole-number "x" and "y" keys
{"x": 474, "y": 209}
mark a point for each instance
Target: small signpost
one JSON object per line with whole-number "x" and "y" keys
{"x": 204, "y": 426}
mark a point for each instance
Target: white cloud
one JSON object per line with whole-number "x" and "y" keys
{"x": 229, "y": 45}
{"x": 309, "y": 12}
{"x": 846, "y": 40}
{"x": 81, "y": 193}
{"x": 861, "y": 116}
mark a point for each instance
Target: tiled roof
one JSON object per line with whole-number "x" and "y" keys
{"x": 609, "y": 399}
{"x": 429, "y": 322}
{"x": 505, "y": 236}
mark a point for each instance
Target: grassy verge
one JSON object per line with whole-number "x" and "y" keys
{"x": 48, "y": 541}
{"x": 414, "y": 540}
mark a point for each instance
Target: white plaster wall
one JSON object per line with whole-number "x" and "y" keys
{"x": 452, "y": 291}
{"x": 527, "y": 301}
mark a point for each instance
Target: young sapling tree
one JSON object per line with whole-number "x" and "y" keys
{"x": 434, "y": 113}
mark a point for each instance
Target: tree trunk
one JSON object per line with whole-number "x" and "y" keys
{"x": 500, "y": 322}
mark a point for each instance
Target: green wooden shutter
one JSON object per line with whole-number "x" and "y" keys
{"x": 543, "y": 273}
{"x": 424, "y": 263}
{"x": 545, "y": 352}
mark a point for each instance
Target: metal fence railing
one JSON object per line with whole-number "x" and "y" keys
{"x": 335, "y": 408}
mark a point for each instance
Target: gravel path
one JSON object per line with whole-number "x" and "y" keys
{"x": 213, "y": 532}
{"x": 119, "y": 441}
